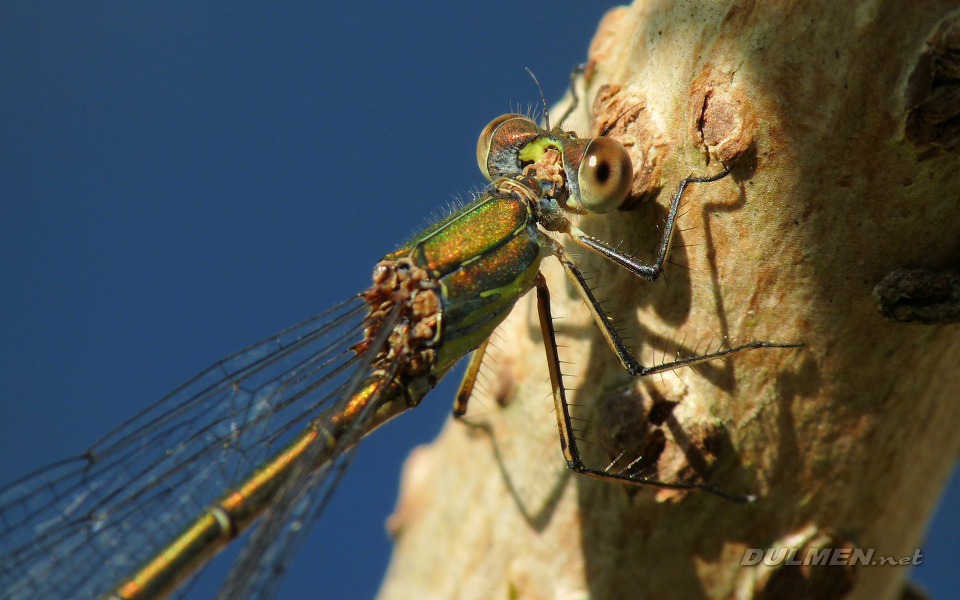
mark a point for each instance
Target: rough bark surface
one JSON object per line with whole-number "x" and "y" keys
{"x": 843, "y": 121}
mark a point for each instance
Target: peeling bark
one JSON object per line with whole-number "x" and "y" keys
{"x": 841, "y": 119}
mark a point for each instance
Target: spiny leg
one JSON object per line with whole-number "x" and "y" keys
{"x": 649, "y": 272}
{"x": 469, "y": 379}
{"x": 627, "y": 359}
{"x": 568, "y": 441}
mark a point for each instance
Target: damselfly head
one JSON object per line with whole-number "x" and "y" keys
{"x": 597, "y": 172}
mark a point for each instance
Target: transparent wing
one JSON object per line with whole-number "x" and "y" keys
{"x": 278, "y": 535}
{"x": 76, "y": 527}
{"x": 263, "y": 561}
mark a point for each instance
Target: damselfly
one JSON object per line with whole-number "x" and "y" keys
{"x": 229, "y": 434}
{"x": 272, "y": 427}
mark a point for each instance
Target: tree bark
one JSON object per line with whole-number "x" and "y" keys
{"x": 843, "y": 122}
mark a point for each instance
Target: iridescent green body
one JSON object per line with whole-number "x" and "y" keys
{"x": 484, "y": 256}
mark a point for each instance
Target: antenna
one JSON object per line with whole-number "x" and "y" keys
{"x": 546, "y": 113}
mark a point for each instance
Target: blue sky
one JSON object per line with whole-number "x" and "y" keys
{"x": 183, "y": 179}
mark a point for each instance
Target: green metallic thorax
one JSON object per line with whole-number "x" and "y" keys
{"x": 484, "y": 257}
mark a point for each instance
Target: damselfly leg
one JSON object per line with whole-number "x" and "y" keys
{"x": 630, "y": 363}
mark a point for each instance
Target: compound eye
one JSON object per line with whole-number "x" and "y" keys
{"x": 605, "y": 175}
{"x": 486, "y": 137}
